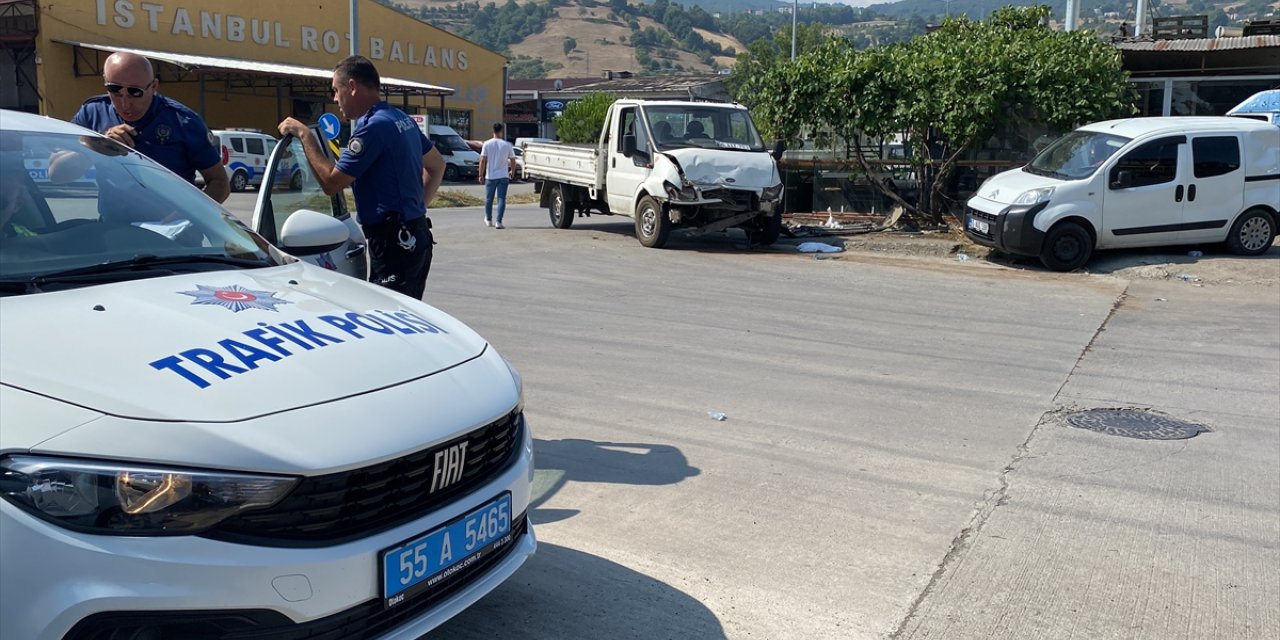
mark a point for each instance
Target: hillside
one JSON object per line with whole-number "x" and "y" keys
{"x": 580, "y": 38}
{"x": 601, "y": 36}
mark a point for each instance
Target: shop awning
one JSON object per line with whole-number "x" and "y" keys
{"x": 212, "y": 63}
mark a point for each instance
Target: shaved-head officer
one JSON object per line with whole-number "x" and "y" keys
{"x": 163, "y": 129}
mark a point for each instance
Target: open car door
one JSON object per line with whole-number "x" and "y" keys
{"x": 289, "y": 186}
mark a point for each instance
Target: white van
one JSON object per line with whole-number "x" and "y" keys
{"x": 245, "y": 153}
{"x": 1263, "y": 105}
{"x": 461, "y": 161}
{"x": 1139, "y": 182}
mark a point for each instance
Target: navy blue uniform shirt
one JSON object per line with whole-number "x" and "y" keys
{"x": 384, "y": 155}
{"x": 169, "y": 133}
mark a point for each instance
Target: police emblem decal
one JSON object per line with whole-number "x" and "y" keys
{"x": 163, "y": 132}
{"x": 355, "y": 146}
{"x": 235, "y": 298}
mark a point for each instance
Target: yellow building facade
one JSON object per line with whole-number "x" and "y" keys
{"x": 249, "y": 63}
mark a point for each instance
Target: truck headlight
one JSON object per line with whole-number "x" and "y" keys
{"x": 133, "y": 499}
{"x": 769, "y": 194}
{"x": 686, "y": 192}
{"x": 1034, "y": 196}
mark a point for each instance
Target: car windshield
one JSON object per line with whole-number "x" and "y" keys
{"x": 678, "y": 127}
{"x": 81, "y": 210}
{"x": 1076, "y": 155}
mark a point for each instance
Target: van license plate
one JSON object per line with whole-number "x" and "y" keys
{"x": 980, "y": 226}
{"x": 423, "y": 562}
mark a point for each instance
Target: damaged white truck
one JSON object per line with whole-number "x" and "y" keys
{"x": 668, "y": 164}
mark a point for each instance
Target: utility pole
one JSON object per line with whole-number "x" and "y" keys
{"x": 354, "y": 15}
{"x": 793, "y": 28}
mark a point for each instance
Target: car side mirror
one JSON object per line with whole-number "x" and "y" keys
{"x": 308, "y": 232}
{"x": 629, "y": 145}
{"x": 1122, "y": 180}
{"x": 640, "y": 158}
{"x": 779, "y": 147}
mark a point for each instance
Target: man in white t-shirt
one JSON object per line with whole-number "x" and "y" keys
{"x": 497, "y": 165}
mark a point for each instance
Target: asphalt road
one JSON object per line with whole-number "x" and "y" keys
{"x": 895, "y": 460}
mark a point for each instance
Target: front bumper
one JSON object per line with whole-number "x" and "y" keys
{"x": 1011, "y": 230}
{"x": 55, "y": 579}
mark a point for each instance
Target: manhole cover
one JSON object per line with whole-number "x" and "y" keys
{"x": 1134, "y": 423}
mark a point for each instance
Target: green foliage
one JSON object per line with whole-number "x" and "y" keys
{"x": 527, "y": 68}
{"x": 947, "y": 91}
{"x": 569, "y": 45}
{"x": 581, "y": 121}
{"x": 754, "y": 83}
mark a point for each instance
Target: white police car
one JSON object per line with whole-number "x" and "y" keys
{"x": 202, "y": 437}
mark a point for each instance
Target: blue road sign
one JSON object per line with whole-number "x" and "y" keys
{"x": 330, "y": 126}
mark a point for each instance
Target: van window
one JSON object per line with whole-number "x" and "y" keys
{"x": 254, "y": 146}
{"x": 237, "y": 144}
{"x": 1155, "y": 162}
{"x": 1215, "y": 156}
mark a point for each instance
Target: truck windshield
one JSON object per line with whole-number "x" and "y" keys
{"x": 678, "y": 127}
{"x": 451, "y": 142}
{"x": 1076, "y": 155}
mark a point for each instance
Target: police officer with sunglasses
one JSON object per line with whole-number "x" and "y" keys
{"x": 163, "y": 129}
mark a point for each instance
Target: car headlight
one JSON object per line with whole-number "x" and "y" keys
{"x": 769, "y": 194}
{"x": 1034, "y": 196}
{"x": 133, "y": 499}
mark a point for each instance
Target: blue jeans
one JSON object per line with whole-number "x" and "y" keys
{"x": 498, "y": 185}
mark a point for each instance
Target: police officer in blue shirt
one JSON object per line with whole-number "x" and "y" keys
{"x": 393, "y": 169}
{"x": 160, "y": 128}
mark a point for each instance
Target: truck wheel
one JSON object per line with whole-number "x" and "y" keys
{"x": 450, "y": 173}
{"x": 1066, "y": 247}
{"x": 239, "y": 180}
{"x": 652, "y": 224}
{"x": 561, "y": 216}
{"x": 1252, "y": 234}
{"x": 764, "y": 231}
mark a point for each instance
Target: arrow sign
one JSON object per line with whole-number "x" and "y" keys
{"x": 330, "y": 126}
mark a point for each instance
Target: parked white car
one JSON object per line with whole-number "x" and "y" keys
{"x": 202, "y": 436}
{"x": 1140, "y": 182}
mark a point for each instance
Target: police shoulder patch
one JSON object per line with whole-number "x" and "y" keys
{"x": 213, "y": 139}
{"x": 355, "y": 146}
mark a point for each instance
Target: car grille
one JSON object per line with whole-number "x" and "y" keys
{"x": 985, "y": 217}
{"x": 339, "y": 507}
{"x": 364, "y": 621}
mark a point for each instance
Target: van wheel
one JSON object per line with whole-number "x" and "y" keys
{"x": 295, "y": 181}
{"x": 652, "y": 224}
{"x": 1066, "y": 247}
{"x": 1252, "y": 234}
{"x": 450, "y": 173}
{"x": 239, "y": 180}
{"x": 561, "y": 217}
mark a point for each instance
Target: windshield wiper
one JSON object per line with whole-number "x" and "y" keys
{"x": 146, "y": 263}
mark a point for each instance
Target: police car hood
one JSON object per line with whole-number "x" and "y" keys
{"x": 724, "y": 167}
{"x": 224, "y": 345}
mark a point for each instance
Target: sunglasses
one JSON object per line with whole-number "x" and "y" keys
{"x": 134, "y": 92}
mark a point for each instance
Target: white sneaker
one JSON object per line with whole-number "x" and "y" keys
{"x": 488, "y": 223}
{"x": 499, "y": 226}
